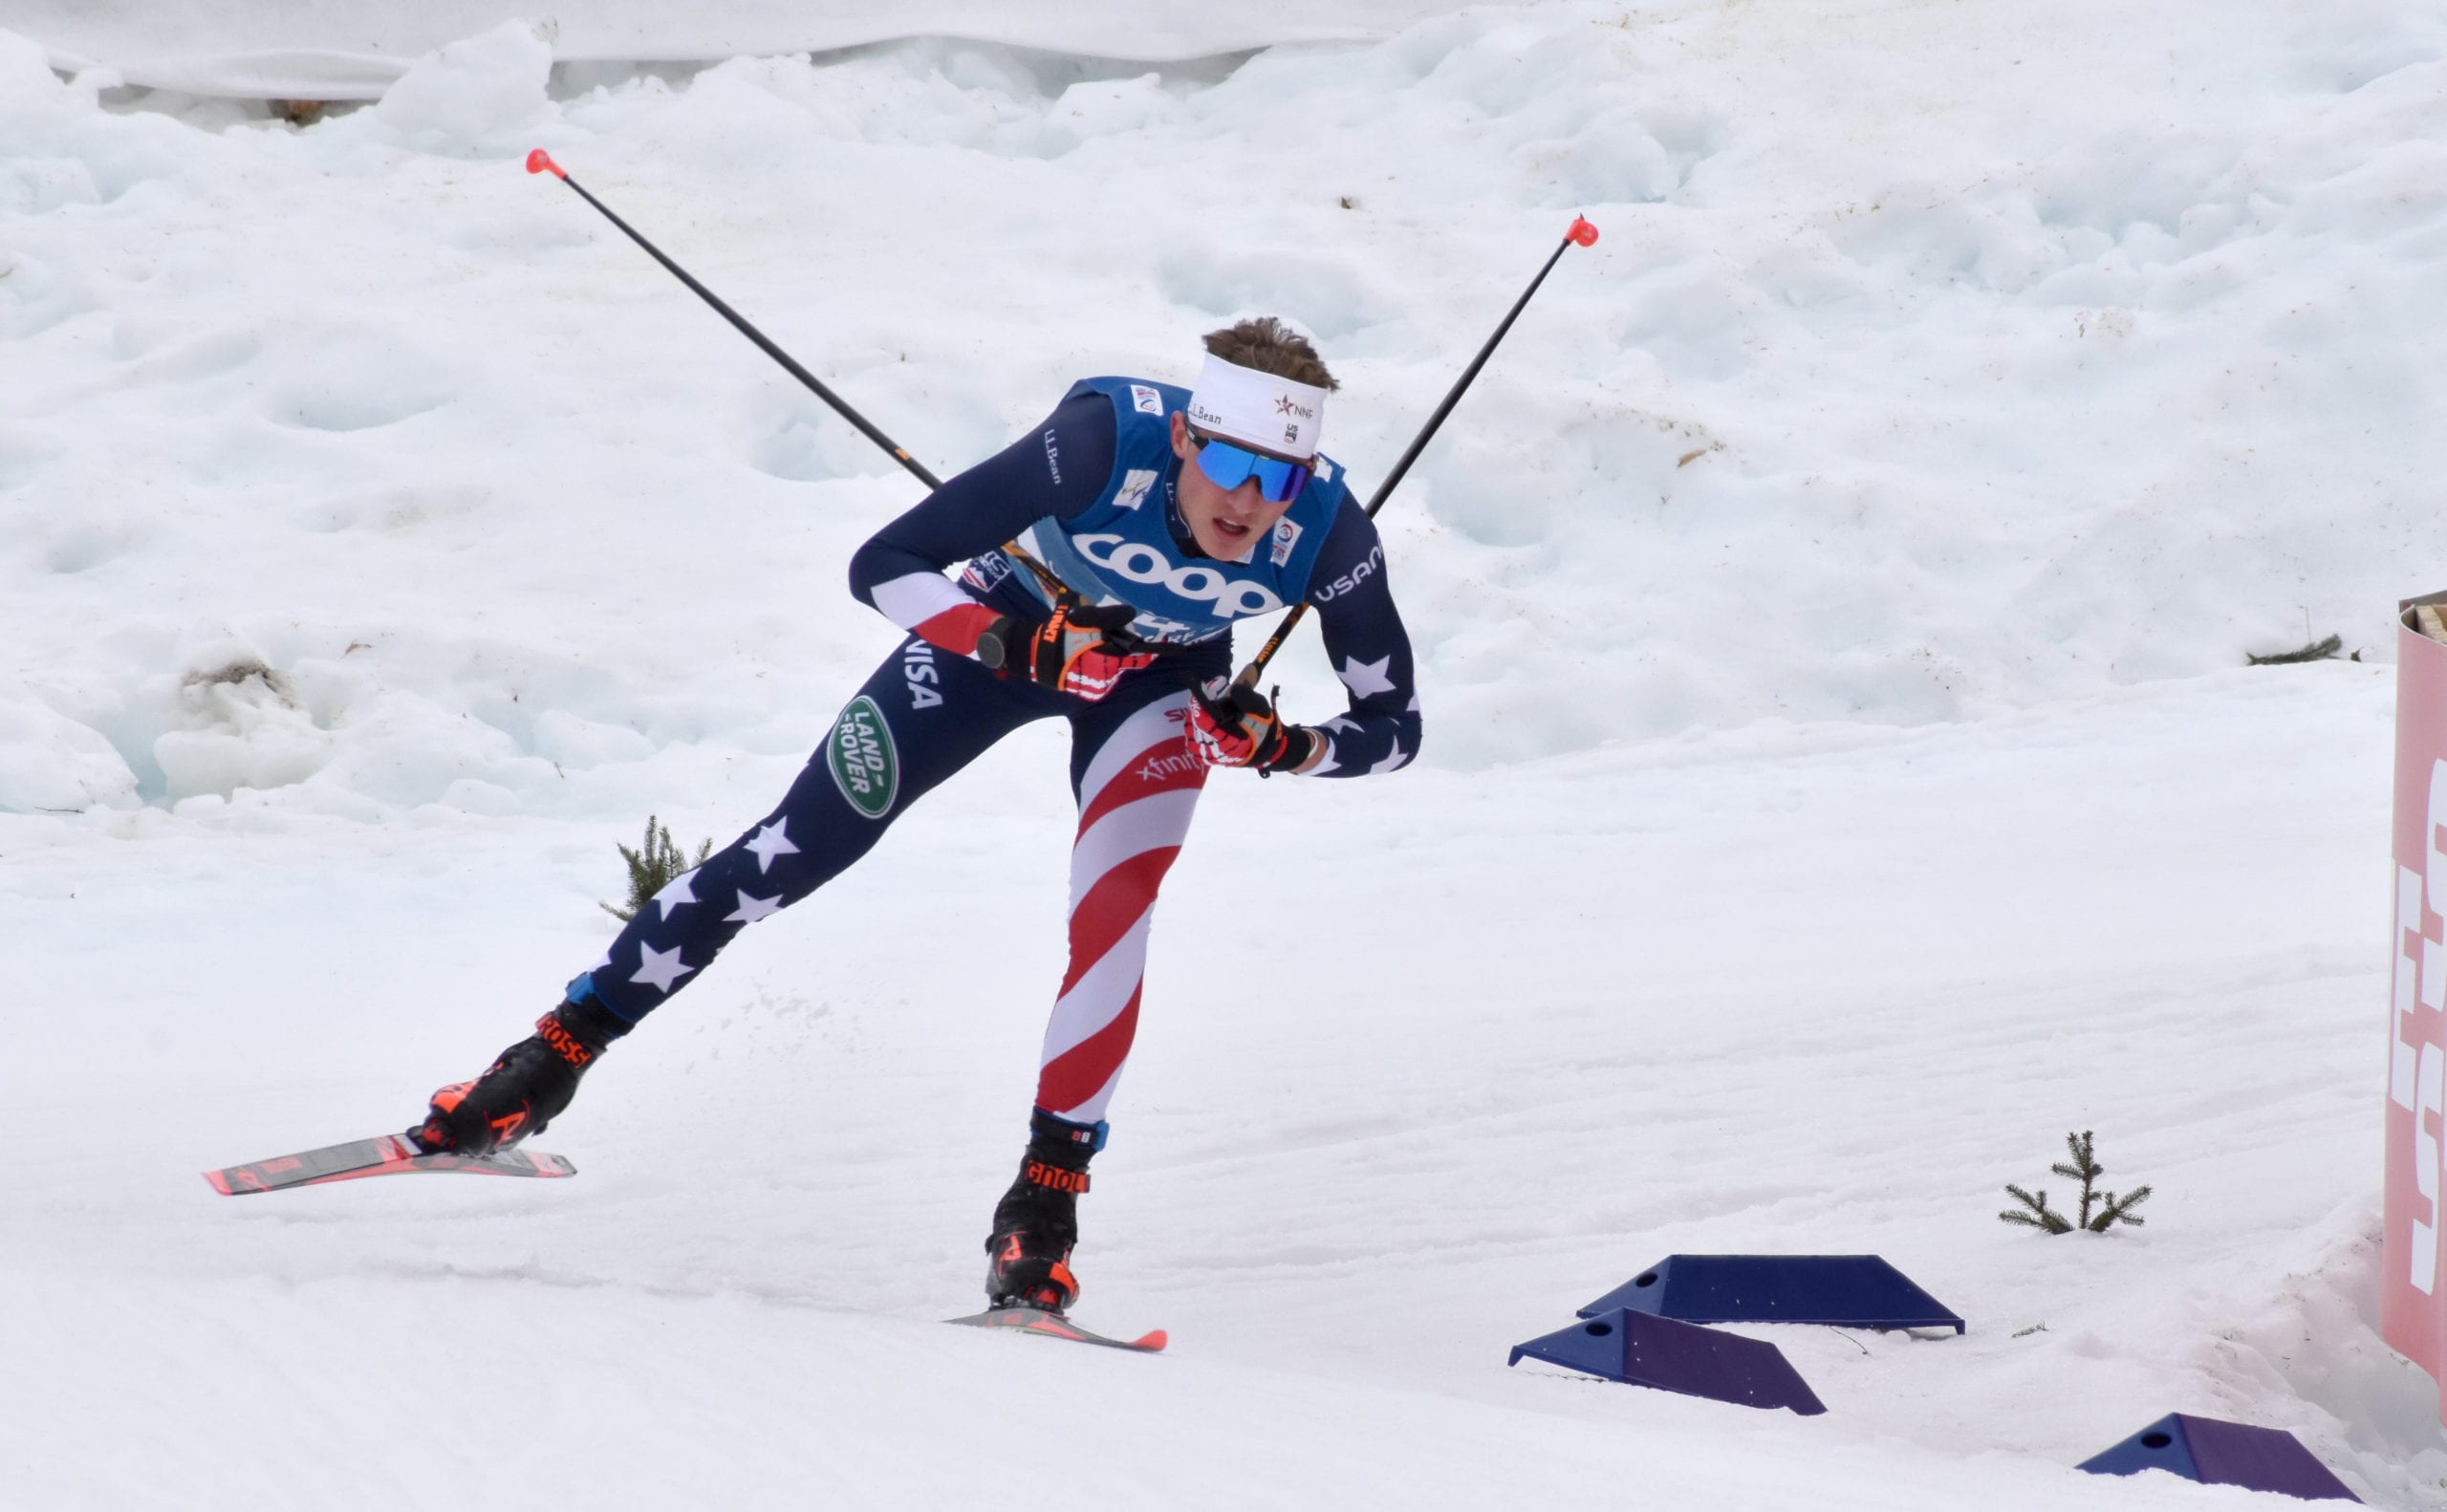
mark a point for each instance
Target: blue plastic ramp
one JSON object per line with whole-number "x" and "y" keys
{"x": 1856, "y": 1291}
{"x": 1643, "y": 1350}
{"x": 2215, "y": 1452}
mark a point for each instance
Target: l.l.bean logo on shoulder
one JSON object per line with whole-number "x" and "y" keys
{"x": 865, "y": 767}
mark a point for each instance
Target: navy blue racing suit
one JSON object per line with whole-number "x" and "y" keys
{"x": 1091, "y": 494}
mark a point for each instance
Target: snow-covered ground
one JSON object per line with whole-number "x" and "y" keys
{"x": 346, "y": 50}
{"x": 1839, "y": 780}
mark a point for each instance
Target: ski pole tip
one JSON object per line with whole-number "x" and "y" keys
{"x": 1581, "y": 230}
{"x": 541, "y": 161}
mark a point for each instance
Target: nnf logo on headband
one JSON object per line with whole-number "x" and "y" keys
{"x": 1267, "y": 410}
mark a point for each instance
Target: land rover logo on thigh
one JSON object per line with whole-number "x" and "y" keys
{"x": 865, "y": 767}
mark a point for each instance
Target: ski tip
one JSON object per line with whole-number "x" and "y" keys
{"x": 541, "y": 161}
{"x": 1152, "y": 1340}
{"x": 220, "y": 1182}
{"x": 1581, "y": 230}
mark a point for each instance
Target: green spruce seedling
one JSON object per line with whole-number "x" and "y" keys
{"x": 652, "y": 866}
{"x": 2039, "y": 1214}
{"x": 2322, "y": 649}
{"x": 2084, "y": 1167}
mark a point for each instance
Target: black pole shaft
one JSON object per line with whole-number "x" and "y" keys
{"x": 1453, "y": 396}
{"x": 789, "y": 364}
{"x": 1248, "y": 675}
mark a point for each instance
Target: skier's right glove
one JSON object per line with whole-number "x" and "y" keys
{"x": 526, "y": 1087}
{"x": 1082, "y": 650}
{"x": 1229, "y": 725}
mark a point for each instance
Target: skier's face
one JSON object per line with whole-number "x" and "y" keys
{"x": 1225, "y": 522}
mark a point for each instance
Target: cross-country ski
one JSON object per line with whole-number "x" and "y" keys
{"x": 1043, "y": 1324}
{"x": 385, "y": 1154}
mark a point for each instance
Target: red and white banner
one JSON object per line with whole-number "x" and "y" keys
{"x": 2413, "y": 1306}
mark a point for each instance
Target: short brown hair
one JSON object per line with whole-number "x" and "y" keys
{"x": 1268, "y": 345}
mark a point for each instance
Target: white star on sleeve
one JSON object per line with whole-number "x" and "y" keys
{"x": 753, "y": 909}
{"x": 1341, "y": 722}
{"x": 675, "y": 893}
{"x": 1391, "y": 763}
{"x": 1330, "y": 762}
{"x": 660, "y": 968}
{"x": 772, "y": 840}
{"x": 1366, "y": 679}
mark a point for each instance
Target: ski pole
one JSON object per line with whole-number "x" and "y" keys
{"x": 1580, "y": 233}
{"x": 541, "y": 161}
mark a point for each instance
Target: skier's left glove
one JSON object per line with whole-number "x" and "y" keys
{"x": 1237, "y": 727}
{"x": 526, "y": 1087}
{"x": 1081, "y": 650}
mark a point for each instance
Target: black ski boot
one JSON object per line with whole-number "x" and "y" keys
{"x": 1037, "y": 1222}
{"x": 525, "y": 1087}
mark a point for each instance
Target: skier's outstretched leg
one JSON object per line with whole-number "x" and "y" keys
{"x": 922, "y": 716}
{"x": 1136, "y": 786}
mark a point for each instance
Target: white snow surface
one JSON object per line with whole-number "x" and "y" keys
{"x": 1840, "y": 779}
{"x": 339, "y": 50}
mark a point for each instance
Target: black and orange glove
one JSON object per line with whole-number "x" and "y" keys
{"x": 1082, "y": 650}
{"x": 1237, "y": 727}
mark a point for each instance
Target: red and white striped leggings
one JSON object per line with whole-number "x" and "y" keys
{"x": 922, "y": 716}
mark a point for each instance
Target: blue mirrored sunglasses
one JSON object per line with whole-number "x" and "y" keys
{"x": 1229, "y": 467}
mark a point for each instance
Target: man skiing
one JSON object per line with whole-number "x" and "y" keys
{"x": 1108, "y": 553}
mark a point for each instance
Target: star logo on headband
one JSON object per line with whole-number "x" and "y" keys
{"x": 1283, "y": 405}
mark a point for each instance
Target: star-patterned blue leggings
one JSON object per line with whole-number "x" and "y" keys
{"x": 924, "y": 715}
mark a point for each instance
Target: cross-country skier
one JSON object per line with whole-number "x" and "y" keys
{"x": 1151, "y": 518}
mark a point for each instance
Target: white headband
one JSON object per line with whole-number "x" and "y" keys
{"x": 1264, "y": 410}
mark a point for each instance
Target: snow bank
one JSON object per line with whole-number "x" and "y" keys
{"x": 352, "y": 50}
{"x": 2053, "y": 363}
{"x": 474, "y": 87}
{"x": 240, "y": 725}
{"x": 50, "y": 764}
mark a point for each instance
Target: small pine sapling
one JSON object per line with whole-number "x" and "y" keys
{"x": 2084, "y": 1167}
{"x": 2039, "y": 1214}
{"x": 2322, "y": 649}
{"x": 652, "y": 866}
